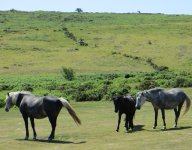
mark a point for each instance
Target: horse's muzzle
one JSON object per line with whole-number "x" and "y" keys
{"x": 6, "y": 109}
{"x": 138, "y": 107}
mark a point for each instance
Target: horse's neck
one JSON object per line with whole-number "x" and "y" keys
{"x": 19, "y": 99}
{"x": 150, "y": 99}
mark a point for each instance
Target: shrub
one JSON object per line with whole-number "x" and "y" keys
{"x": 23, "y": 87}
{"x": 6, "y": 87}
{"x": 68, "y": 73}
{"x": 148, "y": 78}
{"x": 149, "y": 60}
{"x": 178, "y": 82}
{"x": 147, "y": 85}
{"x": 161, "y": 81}
{"x": 184, "y": 73}
{"x": 81, "y": 43}
{"x": 2, "y": 102}
{"x": 51, "y": 86}
{"x": 27, "y": 87}
{"x": 189, "y": 83}
{"x": 161, "y": 68}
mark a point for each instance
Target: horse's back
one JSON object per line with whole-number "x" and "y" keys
{"x": 170, "y": 99}
{"x": 130, "y": 103}
{"x": 52, "y": 105}
{"x": 40, "y": 107}
{"x": 176, "y": 94}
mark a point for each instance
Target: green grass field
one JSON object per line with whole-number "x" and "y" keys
{"x": 34, "y": 42}
{"x": 97, "y": 131}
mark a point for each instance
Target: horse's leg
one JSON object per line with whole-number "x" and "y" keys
{"x": 25, "y": 118}
{"x": 177, "y": 114}
{"x": 156, "y": 115}
{"x": 33, "y": 127}
{"x": 126, "y": 122}
{"x": 176, "y": 117}
{"x": 131, "y": 120}
{"x": 119, "y": 121}
{"x": 53, "y": 124}
{"x": 163, "y": 117}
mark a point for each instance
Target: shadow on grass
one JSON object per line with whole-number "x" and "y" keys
{"x": 170, "y": 129}
{"x": 136, "y": 128}
{"x": 53, "y": 141}
{"x": 178, "y": 128}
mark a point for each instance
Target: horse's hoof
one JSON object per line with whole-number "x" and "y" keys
{"x": 154, "y": 127}
{"x": 49, "y": 139}
{"x": 117, "y": 130}
{"x": 174, "y": 126}
{"x": 164, "y": 128}
{"x": 26, "y": 138}
{"x": 34, "y": 138}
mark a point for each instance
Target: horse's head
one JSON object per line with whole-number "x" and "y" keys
{"x": 116, "y": 101}
{"x": 140, "y": 99}
{"x": 11, "y": 99}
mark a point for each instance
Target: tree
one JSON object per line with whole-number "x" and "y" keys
{"x": 68, "y": 73}
{"x": 79, "y": 10}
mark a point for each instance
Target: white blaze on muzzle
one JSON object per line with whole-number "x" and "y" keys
{"x": 10, "y": 102}
{"x": 140, "y": 100}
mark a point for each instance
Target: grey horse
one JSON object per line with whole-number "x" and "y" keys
{"x": 39, "y": 107}
{"x": 162, "y": 99}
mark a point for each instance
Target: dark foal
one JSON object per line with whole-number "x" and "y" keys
{"x": 125, "y": 105}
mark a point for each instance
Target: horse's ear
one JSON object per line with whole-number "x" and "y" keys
{"x": 144, "y": 92}
{"x": 7, "y": 94}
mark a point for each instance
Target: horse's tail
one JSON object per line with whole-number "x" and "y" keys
{"x": 188, "y": 104}
{"x": 70, "y": 110}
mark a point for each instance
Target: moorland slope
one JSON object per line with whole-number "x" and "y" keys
{"x": 42, "y": 42}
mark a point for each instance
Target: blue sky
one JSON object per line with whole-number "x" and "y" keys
{"x": 117, "y": 6}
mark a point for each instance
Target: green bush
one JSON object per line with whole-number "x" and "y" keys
{"x": 145, "y": 85}
{"x": 2, "y": 102}
{"x": 148, "y": 78}
{"x": 6, "y": 87}
{"x": 178, "y": 82}
{"x": 51, "y": 86}
{"x": 161, "y": 68}
{"x": 68, "y": 73}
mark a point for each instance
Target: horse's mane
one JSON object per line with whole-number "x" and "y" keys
{"x": 19, "y": 92}
{"x": 155, "y": 90}
{"x": 14, "y": 95}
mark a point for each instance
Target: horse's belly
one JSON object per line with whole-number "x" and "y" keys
{"x": 39, "y": 116}
{"x": 166, "y": 106}
{"x": 37, "y": 113}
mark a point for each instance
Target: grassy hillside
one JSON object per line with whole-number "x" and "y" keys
{"x": 35, "y": 43}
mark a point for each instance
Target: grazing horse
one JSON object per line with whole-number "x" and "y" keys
{"x": 125, "y": 104}
{"x": 162, "y": 99}
{"x": 39, "y": 107}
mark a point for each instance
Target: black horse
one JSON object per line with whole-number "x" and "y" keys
{"x": 39, "y": 107}
{"x": 125, "y": 104}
